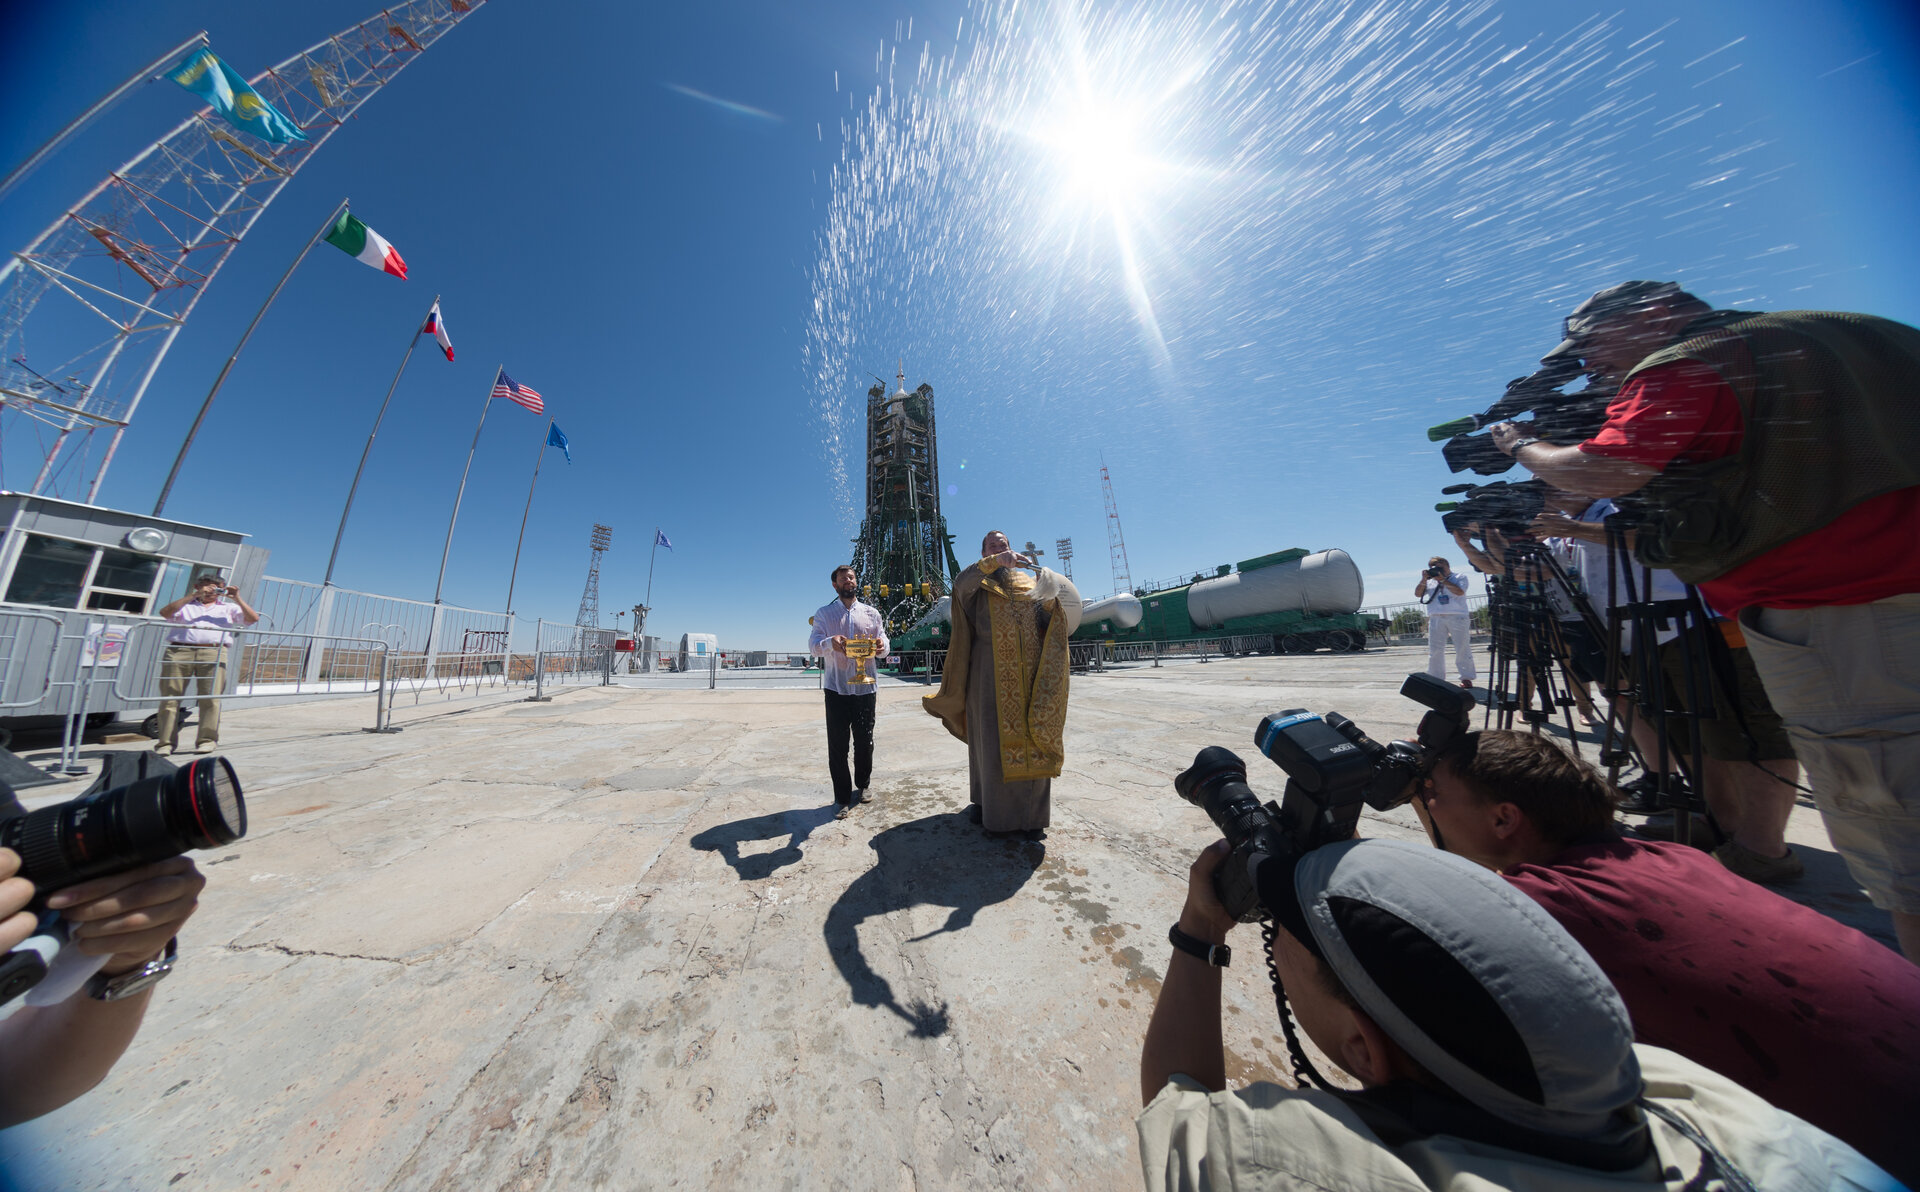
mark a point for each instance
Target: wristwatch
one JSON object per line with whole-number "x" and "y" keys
{"x": 103, "y": 988}
{"x": 1217, "y": 955}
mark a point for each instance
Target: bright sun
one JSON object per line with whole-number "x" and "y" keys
{"x": 1098, "y": 151}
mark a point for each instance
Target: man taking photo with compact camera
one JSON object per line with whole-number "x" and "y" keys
{"x": 1444, "y": 591}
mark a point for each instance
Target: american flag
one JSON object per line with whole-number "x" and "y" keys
{"x": 505, "y": 386}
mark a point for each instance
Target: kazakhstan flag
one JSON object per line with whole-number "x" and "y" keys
{"x": 203, "y": 73}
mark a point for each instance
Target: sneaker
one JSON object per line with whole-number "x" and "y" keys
{"x": 163, "y": 749}
{"x": 1766, "y": 871}
{"x": 1640, "y": 798}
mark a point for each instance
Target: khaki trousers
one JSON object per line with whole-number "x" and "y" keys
{"x": 206, "y": 667}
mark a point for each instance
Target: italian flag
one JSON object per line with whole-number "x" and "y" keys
{"x": 365, "y": 245}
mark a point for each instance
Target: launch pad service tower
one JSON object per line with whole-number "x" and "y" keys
{"x": 904, "y": 555}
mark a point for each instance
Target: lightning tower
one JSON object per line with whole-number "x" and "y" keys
{"x": 589, "y": 615}
{"x": 904, "y": 555}
{"x": 1116, "y": 545}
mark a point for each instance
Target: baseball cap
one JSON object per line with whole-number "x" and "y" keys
{"x": 1469, "y": 976}
{"x": 1612, "y": 300}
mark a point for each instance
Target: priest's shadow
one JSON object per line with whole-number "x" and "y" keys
{"x": 796, "y": 826}
{"x": 941, "y": 860}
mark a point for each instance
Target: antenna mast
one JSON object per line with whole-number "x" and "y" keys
{"x": 1116, "y": 545}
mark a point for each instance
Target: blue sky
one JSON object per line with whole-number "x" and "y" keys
{"x": 1251, "y": 310}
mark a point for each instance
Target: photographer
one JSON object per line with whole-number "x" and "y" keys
{"x": 1490, "y": 1050}
{"x": 50, "y": 1055}
{"x": 197, "y": 652}
{"x": 1444, "y": 592}
{"x": 1817, "y": 1018}
{"x": 1780, "y": 466}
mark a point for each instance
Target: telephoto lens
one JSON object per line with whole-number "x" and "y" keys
{"x": 1216, "y": 783}
{"x": 196, "y": 807}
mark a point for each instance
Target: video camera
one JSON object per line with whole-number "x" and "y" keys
{"x": 1504, "y": 506}
{"x": 111, "y": 831}
{"x": 1332, "y": 766}
{"x": 1557, "y": 417}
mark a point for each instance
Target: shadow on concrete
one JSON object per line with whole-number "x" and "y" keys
{"x": 726, "y": 840}
{"x": 941, "y": 860}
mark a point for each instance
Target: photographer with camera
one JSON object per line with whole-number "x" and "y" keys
{"x": 197, "y": 652}
{"x": 1777, "y": 462}
{"x": 1490, "y": 1050}
{"x": 1816, "y": 1017}
{"x": 51, "y": 1054}
{"x": 1488, "y": 1047}
{"x": 1444, "y": 591}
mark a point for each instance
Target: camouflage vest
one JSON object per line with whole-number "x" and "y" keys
{"x": 1831, "y": 407}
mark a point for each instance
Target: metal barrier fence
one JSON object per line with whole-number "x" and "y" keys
{"x": 89, "y": 666}
{"x": 568, "y": 656}
{"x": 767, "y": 669}
{"x": 1406, "y": 623}
{"x": 25, "y": 638}
{"x": 428, "y": 640}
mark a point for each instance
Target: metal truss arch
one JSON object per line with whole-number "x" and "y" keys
{"x": 89, "y": 310}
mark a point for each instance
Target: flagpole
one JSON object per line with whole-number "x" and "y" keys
{"x": 651, "y": 555}
{"x": 143, "y": 75}
{"x": 368, "y": 449}
{"x": 458, "y": 496}
{"x": 515, "y": 573}
{"x": 167, "y": 488}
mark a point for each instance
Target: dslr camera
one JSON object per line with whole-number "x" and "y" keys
{"x": 111, "y": 831}
{"x": 1332, "y": 767}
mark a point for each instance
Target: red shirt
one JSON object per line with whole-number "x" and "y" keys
{"x": 1812, "y": 1015}
{"x": 1684, "y": 413}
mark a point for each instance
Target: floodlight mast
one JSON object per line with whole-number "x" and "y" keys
{"x": 139, "y": 250}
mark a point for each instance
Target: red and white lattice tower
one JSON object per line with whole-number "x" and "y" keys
{"x": 1116, "y": 545}
{"x": 89, "y": 310}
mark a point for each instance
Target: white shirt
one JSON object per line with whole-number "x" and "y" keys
{"x": 205, "y": 624}
{"x": 835, "y": 619}
{"x": 1445, "y": 603}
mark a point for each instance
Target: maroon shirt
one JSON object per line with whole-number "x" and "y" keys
{"x": 1812, "y": 1015}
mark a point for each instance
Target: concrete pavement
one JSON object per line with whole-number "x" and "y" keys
{"x": 617, "y": 941}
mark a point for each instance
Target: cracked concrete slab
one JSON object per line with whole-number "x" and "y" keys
{"x": 618, "y": 941}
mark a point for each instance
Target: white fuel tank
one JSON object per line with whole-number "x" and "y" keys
{"x": 1327, "y": 582}
{"x": 1121, "y": 611}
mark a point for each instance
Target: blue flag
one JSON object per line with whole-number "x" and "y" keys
{"x": 556, "y": 439}
{"x": 203, "y": 73}
{"x": 660, "y": 539}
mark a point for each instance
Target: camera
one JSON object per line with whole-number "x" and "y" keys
{"x": 1435, "y": 572}
{"x": 1332, "y": 767}
{"x": 1506, "y": 506}
{"x": 1557, "y": 417}
{"x": 112, "y": 831}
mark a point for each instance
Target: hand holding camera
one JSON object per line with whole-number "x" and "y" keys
{"x": 111, "y": 862}
{"x": 130, "y": 916}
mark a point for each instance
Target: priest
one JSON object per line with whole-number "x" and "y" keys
{"x": 1004, "y": 689}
